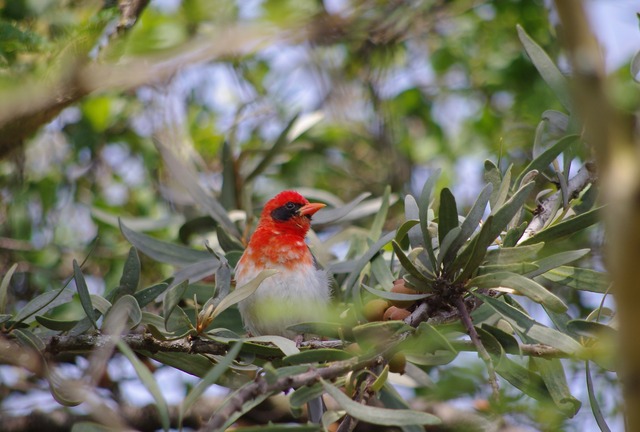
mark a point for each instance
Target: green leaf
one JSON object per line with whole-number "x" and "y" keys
{"x": 549, "y": 155}
{"x": 4, "y": 287}
{"x": 210, "y": 378}
{"x": 446, "y": 245}
{"x": 130, "y": 274}
{"x": 493, "y": 177}
{"x": 364, "y": 259}
{"x": 513, "y": 255}
{"x": 29, "y": 340}
{"x": 321, "y": 355}
{"x": 381, "y": 272}
{"x": 591, "y": 329}
{"x": 379, "y": 416}
{"x": 378, "y": 222}
{"x": 287, "y": 346}
{"x": 278, "y": 146}
{"x": 195, "y": 272}
{"x": 83, "y": 293}
{"x": 447, "y": 214}
{"x": 405, "y": 228}
{"x": 566, "y": 227}
{"x": 593, "y": 401}
{"x": 186, "y": 178}
{"x": 125, "y": 306}
{"x": 327, "y": 216}
{"x": 163, "y": 251}
{"x": 423, "y": 212}
{"x": 147, "y": 295}
{"x": 227, "y": 242}
{"x": 532, "y": 331}
{"x": 519, "y": 268}
{"x": 557, "y": 260}
{"x": 411, "y": 212}
{"x": 547, "y": 69}
{"x": 86, "y": 426}
{"x": 149, "y": 382}
{"x": 407, "y": 264}
{"x": 57, "y": 325}
{"x": 172, "y": 298}
{"x": 498, "y": 199}
{"x": 395, "y": 296}
{"x": 43, "y": 303}
{"x": 552, "y": 373}
{"x": 522, "y": 285}
{"x": 242, "y": 292}
{"x": 579, "y": 278}
{"x": 469, "y": 225}
{"x": 513, "y": 235}
{"x": 304, "y": 394}
{"x": 229, "y": 192}
{"x": 429, "y": 347}
{"x": 100, "y": 303}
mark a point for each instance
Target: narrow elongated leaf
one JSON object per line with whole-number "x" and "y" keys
{"x": 519, "y": 268}
{"x": 242, "y": 292}
{"x": 43, "y": 303}
{"x": 147, "y": 295}
{"x": 591, "y": 329}
{"x": 29, "y": 340}
{"x": 513, "y": 255}
{"x": 227, "y": 242}
{"x": 149, "y": 382}
{"x": 529, "y": 382}
{"x": 101, "y": 304}
{"x": 381, "y": 272}
{"x": 545, "y": 159}
{"x": 447, "y": 214}
{"x": 304, "y": 394}
{"x": 523, "y": 286}
{"x": 547, "y": 69}
{"x": 228, "y": 192}
{"x": 381, "y": 216}
{"x": 392, "y": 399}
{"x": 287, "y": 346}
{"x": 470, "y": 224}
{"x": 593, "y": 400}
{"x": 566, "y": 227}
{"x": 557, "y": 260}
{"x": 498, "y": 199}
{"x": 327, "y": 216}
{"x": 446, "y": 245}
{"x": 130, "y": 274}
{"x": 579, "y": 278}
{"x": 210, "y": 378}
{"x": 4, "y": 287}
{"x": 195, "y": 272}
{"x": 163, "y": 251}
{"x": 423, "y": 206}
{"x": 125, "y": 306}
{"x": 172, "y": 298}
{"x": 185, "y": 176}
{"x": 405, "y": 228}
{"x": 57, "y": 325}
{"x": 278, "y": 146}
{"x": 552, "y": 373}
{"x": 411, "y": 212}
{"x": 532, "y": 331}
{"x": 395, "y": 296}
{"x": 379, "y": 416}
{"x": 493, "y": 176}
{"x": 364, "y": 259}
{"x": 407, "y": 264}
{"x": 83, "y": 293}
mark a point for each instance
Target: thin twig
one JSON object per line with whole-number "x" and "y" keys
{"x": 482, "y": 351}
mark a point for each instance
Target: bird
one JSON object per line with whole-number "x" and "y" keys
{"x": 299, "y": 291}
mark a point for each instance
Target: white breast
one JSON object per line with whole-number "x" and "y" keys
{"x": 292, "y": 296}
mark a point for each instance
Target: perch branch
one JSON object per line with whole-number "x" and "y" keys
{"x": 585, "y": 176}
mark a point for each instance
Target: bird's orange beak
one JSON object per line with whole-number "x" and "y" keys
{"x": 310, "y": 209}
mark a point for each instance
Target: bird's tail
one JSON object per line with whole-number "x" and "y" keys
{"x": 315, "y": 409}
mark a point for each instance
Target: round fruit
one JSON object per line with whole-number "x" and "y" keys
{"x": 395, "y": 313}
{"x": 397, "y": 363}
{"x": 374, "y": 309}
{"x": 400, "y": 288}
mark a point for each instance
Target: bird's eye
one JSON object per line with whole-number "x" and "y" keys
{"x": 290, "y": 206}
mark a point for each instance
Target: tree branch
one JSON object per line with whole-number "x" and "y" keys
{"x": 547, "y": 209}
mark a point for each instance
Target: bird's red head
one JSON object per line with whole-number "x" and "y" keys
{"x": 288, "y": 213}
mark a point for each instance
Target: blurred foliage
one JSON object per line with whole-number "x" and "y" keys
{"x": 346, "y": 98}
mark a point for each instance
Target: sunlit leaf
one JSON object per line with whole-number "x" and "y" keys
{"x": 557, "y": 260}
{"x": 566, "y": 227}
{"x": 552, "y": 373}
{"x": 513, "y": 255}
{"x": 522, "y": 285}
{"x": 287, "y": 346}
{"x": 379, "y": 416}
{"x": 579, "y": 278}
{"x": 541, "y": 162}
{"x": 241, "y": 293}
